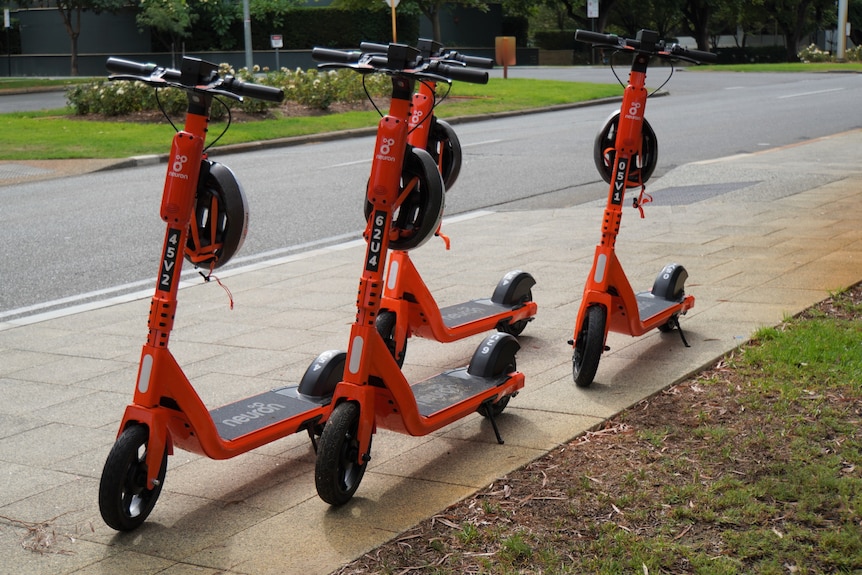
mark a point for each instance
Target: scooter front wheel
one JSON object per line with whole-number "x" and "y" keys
{"x": 337, "y": 473}
{"x": 589, "y": 345}
{"x": 125, "y": 501}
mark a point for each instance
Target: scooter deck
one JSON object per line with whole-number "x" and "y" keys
{"x": 254, "y": 413}
{"x": 474, "y": 310}
{"x": 650, "y": 305}
{"x": 451, "y": 387}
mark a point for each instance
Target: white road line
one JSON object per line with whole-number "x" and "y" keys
{"x": 810, "y": 93}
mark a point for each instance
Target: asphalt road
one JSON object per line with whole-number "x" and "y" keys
{"x": 64, "y": 242}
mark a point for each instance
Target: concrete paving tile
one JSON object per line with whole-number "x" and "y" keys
{"x": 40, "y": 337}
{"x": 70, "y": 507}
{"x": 120, "y": 381}
{"x": 50, "y": 444}
{"x": 530, "y": 428}
{"x": 244, "y": 478}
{"x": 12, "y": 360}
{"x": 459, "y": 462}
{"x": 181, "y": 526}
{"x": 129, "y": 564}
{"x": 15, "y": 424}
{"x": 22, "y": 398}
{"x": 315, "y": 538}
{"x": 69, "y": 370}
{"x": 38, "y": 480}
{"x": 35, "y": 550}
{"x": 95, "y": 409}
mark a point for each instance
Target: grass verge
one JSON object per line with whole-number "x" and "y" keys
{"x": 58, "y": 135}
{"x": 753, "y": 466}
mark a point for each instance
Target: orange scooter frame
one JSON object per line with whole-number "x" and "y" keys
{"x": 408, "y": 307}
{"x": 166, "y": 411}
{"x": 374, "y": 393}
{"x": 609, "y": 303}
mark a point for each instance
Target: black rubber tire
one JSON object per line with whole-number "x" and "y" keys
{"x": 504, "y": 361}
{"x": 518, "y": 327}
{"x": 385, "y": 324}
{"x": 669, "y": 326}
{"x": 494, "y": 409}
{"x": 124, "y": 501}
{"x": 589, "y": 346}
{"x": 337, "y": 473}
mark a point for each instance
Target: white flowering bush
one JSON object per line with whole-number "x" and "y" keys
{"x": 812, "y": 53}
{"x": 312, "y": 88}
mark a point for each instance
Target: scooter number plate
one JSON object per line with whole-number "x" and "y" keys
{"x": 375, "y": 242}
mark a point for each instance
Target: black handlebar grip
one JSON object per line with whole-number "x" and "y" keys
{"x": 477, "y": 61}
{"x": 596, "y": 37}
{"x": 121, "y": 66}
{"x": 379, "y": 61}
{"x": 374, "y": 47}
{"x": 462, "y": 74}
{"x": 698, "y": 55}
{"x": 257, "y": 91}
{"x": 331, "y": 55}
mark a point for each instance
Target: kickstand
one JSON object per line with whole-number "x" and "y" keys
{"x": 312, "y": 437}
{"x": 675, "y": 321}
{"x": 489, "y": 413}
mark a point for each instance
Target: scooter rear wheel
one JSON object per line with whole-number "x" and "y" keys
{"x": 124, "y": 500}
{"x": 494, "y": 357}
{"x": 337, "y": 473}
{"x": 516, "y": 328}
{"x": 589, "y": 345}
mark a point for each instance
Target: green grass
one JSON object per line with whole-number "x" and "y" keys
{"x": 786, "y": 67}
{"x": 57, "y": 135}
{"x": 30, "y": 83}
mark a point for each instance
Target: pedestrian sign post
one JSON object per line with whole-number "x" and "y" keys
{"x": 277, "y": 41}
{"x": 393, "y": 4}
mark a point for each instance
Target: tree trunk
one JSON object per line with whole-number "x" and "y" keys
{"x": 73, "y": 29}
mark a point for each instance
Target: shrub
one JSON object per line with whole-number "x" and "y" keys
{"x": 812, "y": 53}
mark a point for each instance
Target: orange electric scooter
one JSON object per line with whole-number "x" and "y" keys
{"x": 205, "y": 210}
{"x": 406, "y": 196}
{"x": 408, "y": 306}
{"x": 625, "y": 152}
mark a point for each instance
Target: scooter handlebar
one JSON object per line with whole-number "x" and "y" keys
{"x": 374, "y": 47}
{"x": 257, "y": 91}
{"x": 599, "y": 38}
{"x": 697, "y": 55}
{"x": 332, "y": 55}
{"x": 460, "y": 73}
{"x": 128, "y": 67}
{"x": 474, "y": 61}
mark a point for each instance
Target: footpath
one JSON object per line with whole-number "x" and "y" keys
{"x": 763, "y": 236}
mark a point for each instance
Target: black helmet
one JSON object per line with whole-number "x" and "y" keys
{"x": 418, "y": 217}
{"x": 641, "y": 168}
{"x": 220, "y": 220}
